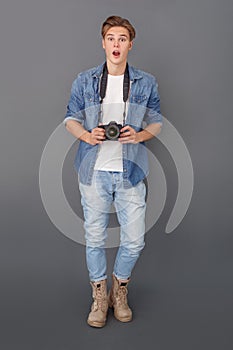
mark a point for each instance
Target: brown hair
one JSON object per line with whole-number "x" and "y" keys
{"x": 116, "y": 21}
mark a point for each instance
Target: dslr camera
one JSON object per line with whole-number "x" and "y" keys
{"x": 112, "y": 130}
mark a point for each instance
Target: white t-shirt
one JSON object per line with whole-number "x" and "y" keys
{"x": 109, "y": 157}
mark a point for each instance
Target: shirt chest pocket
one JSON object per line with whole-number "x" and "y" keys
{"x": 90, "y": 99}
{"x": 137, "y": 110}
{"x": 139, "y": 99}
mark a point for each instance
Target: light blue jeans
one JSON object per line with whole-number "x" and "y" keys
{"x": 107, "y": 188}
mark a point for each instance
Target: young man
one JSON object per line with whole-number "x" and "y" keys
{"x": 111, "y": 161}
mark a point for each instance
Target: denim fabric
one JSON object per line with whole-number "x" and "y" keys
{"x": 130, "y": 205}
{"x": 84, "y": 106}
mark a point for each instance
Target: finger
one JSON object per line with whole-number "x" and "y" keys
{"x": 127, "y": 127}
{"x": 97, "y": 141}
{"x": 125, "y": 134}
{"x": 100, "y": 137}
{"x": 124, "y": 139}
{"x": 97, "y": 133}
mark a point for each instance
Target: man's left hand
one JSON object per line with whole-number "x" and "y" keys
{"x": 128, "y": 135}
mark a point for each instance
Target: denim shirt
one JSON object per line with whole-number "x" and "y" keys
{"x": 143, "y": 108}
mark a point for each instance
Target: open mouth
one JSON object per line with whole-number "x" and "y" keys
{"x": 116, "y": 53}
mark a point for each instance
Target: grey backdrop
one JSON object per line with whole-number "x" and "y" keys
{"x": 182, "y": 287}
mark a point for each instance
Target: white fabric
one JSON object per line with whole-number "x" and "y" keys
{"x": 110, "y": 152}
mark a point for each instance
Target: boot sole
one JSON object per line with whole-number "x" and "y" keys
{"x": 96, "y": 324}
{"x": 128, "y": 319}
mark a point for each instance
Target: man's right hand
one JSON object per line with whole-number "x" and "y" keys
{"x": 95, "y": 137}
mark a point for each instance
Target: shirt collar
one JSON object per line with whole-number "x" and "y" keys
{"x": 134, "y": 74}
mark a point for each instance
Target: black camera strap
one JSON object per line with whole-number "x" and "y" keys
{"x": 126, "y": 85}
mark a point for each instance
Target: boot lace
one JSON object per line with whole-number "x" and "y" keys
{"x": 100, "y": 301}
{"x": 122, "y": 295}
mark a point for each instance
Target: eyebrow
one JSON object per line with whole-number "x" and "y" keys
{"x": 119, "y": 35}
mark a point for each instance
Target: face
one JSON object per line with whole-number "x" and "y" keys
{"x": 117, "y": 44}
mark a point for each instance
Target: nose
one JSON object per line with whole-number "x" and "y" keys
{"x": 116, "y": 43}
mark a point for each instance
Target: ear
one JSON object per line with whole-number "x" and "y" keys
{"x": 130, "y": 45}
{"x": 103, "y": 44}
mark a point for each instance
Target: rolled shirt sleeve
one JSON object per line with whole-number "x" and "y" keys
{"x": 75, "y": 107}
{"x": 153, "y": 113}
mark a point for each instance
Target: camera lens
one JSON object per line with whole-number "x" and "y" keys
{"x": 112, "y": 132}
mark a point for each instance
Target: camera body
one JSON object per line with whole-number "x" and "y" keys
{"x": 112, "y": 130}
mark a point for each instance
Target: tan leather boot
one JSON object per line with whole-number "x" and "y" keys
{"x": 97, "y": 316}
{"x": 117, "y": 298}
